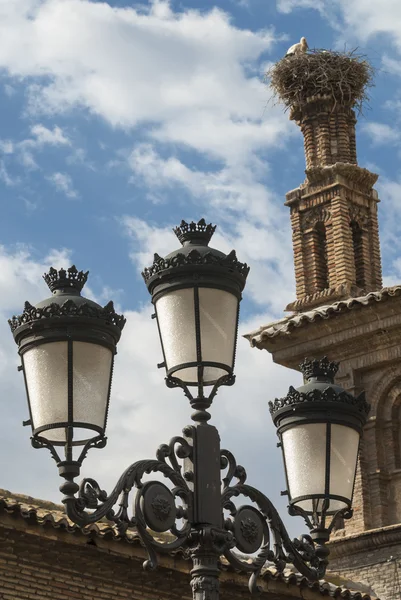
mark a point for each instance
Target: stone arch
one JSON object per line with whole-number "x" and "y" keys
{"x": 384, "y": 452}
{"x": 382, "y": 386}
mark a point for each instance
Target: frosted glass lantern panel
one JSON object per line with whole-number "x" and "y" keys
{"x": 218, "y": 323}
{"x": 176, "y": 319}
{"x": 344, "y": 454}
{"x": 91, "y": 381}
{"x": 305, "y": 459}
{"x": 46, "y": 374}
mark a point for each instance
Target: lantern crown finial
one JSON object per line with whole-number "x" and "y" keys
{"x": 199, "y": 232}
{"x": 321, "y": 368}
{"x": 70, "y": 279}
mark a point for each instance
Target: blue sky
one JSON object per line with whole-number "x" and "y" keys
{"x": 117, "y": 121}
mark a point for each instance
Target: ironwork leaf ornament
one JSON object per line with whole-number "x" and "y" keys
{"x": 195, "y": 258}
{"x": 329, "y": 394}
{"x": 67, "y": 309}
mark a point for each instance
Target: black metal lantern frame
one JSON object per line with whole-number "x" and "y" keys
{"x": 200, "y": 514}
{"x": 197, "y": 267}
{"x": 68, "y": 318}
{"x": 323, "y": 403}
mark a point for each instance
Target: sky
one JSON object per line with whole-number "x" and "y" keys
{"x": 117, "y": 121}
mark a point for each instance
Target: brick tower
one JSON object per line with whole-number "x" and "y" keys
{"x": 334, "y": 212}
{"x": 343, "y": 312}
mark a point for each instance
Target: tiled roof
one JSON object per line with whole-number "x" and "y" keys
{"x": 44, "y": 513}
{"x": 285, "y": 325}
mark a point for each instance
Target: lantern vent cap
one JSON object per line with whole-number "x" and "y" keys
{"x": 199, "y": 233}
{"x": 70, "y": 279}
{"x": 65, "y": 303}
{"x": 321, "y": 369}
{"x": 196, "y": 259}
{"x": 319, "y": 393}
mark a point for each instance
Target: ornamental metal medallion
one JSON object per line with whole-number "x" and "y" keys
{"x": 248, "y": 529}
{"x": 158, "y": 507}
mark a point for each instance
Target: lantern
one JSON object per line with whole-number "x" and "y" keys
{"x": 67, "y": 345}
{"x": 196, "y": 291}
{"x": 320, "y": 425}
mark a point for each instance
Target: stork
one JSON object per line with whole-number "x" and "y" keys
{"x": 299, "y": 48}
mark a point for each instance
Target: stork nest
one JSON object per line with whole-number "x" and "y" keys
{"x": 343, "y": 76}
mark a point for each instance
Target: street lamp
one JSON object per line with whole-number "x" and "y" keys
{"x": 319, "y": 426}
{"x": 196, "y": 292}
{"x": 67, "y": 345}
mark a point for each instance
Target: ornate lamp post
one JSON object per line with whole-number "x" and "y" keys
{"x": 67, "y": 344}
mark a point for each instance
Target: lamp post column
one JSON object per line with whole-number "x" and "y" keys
{"x": 208, "y": 539}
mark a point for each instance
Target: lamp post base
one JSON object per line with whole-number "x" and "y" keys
{"x": 207, "y": 544}
{"x": 205, "y": 577}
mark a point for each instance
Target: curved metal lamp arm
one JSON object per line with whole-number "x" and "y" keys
{"x": 256, "y": 531}
{"x": 154, "y": 506}
{"x": 261, "y": 532}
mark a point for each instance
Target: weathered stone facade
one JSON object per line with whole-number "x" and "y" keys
{"x": 342, "y": 312}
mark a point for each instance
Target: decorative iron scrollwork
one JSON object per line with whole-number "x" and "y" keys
{"x": 155, "y": 505}
{"x": 260, "y": 530}
{"x": 254, "y": 530}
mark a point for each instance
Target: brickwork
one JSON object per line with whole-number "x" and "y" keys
{"x": 335, "y": 242}
{"x": 329, "y": 132}
{"x": 33, "y": 567}
{"x": 375, "y": 557}
{"x": 334, "y": 213}
{"x": 45, "y": 557}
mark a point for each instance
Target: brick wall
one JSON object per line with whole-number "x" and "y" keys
{"x": 335, "y": 242}
{"x": 33, "y": 567}
{"x": 377, "y": 567}
{"x": 50, "y": 561}
{"x": 329, "y": 132}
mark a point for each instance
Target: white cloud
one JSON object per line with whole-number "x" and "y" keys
{"x": 5, "y": 176}
{"x": 63, "y": 183}
{"x": 362, "y": 19}
{"x": 6, "y": 146}
{"x": 184, "y": 72}
{"x": 372, "y": 18}
{"x": 381, "y": 133}
{"x": 286, "y": 6}
{"x": 9, "y": 90}
{"x": 42, "y": 136}
{"x": 390, "y": 193}
{"x": 228, "y": 190}
{"x": 21, "y": 275}
{"x": 143, "y": 412}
